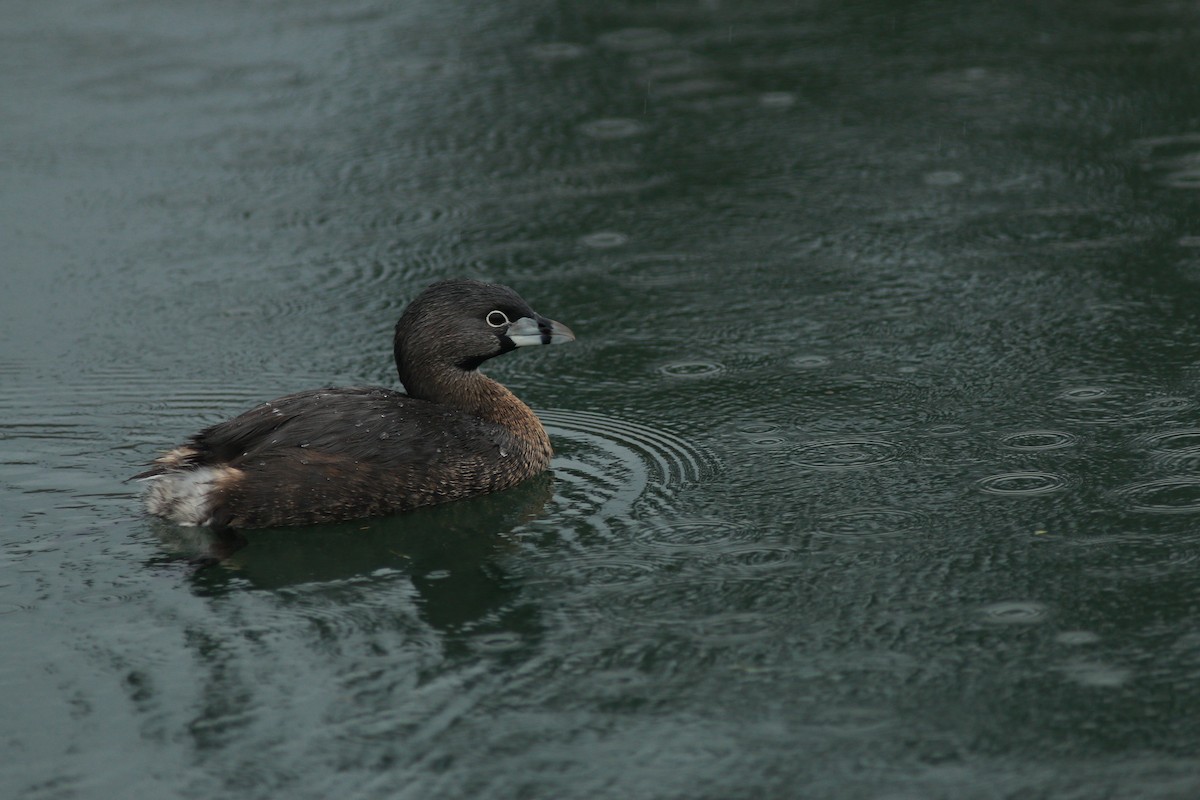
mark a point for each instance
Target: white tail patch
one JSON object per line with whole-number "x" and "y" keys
{"x": 187, "y": 496}
{"x": 175, "y": 458}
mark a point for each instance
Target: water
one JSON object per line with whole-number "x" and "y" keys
{"x": 877, "y": 452}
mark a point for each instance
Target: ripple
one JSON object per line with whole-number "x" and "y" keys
{"x": 176, "y": 79}
{"x": 755, "y": 557}
{"x": 867, "y": 522}
{"x": 1164, "y": 405}
{"x": 1112, "y": 405}
{"x": 810, "y": 361}
{"x": 434, "y": 215}
{"x": 691, "y": 87}
{"x": 603, "y": 240}
{"x": 1077, "y": 638}
{"x": 853, "y": 722}
{"x": 756, "y": 428}
{"x": 662, "y": 270}
{"x": 1085, "y": 394}
{"x": 1101, "y": 676}
{"x": 1014, "y": 612}
{"x": 718, "y": 586}
{"x": 761, "y": 436}
{"x": 1054, "y": 226}
{"x": 336, "y": 610}
{"x": 1182, "y": 179}
{"x": 556, "y": 51}
{"x": 636, "y": 40}
{"x": 846, "y": 453}
{"x": 947, "y": 430}
{"x": 716, "y": 104}
{"x": 1172, "y": 143}
{"x": 1175, "y": 446}
{"x": 669, "y": 65}
{"x": 599, "y": 569}
{"x": 108, "y": 599}
{"x": 1175, "y": 495}
{"x": 692, "y": 369}
{"x": 496, "y": 642}
{"x": 611, "y": 128}
{"x": 836, "y": 402}
{"x": 1173, "y": 441}
{"x": 944, "y": 177}
{"x": 650, "y": 602}
{"x": 21, "y": 550}
{"x": 370, "y": 277}
{"x": 1038, "y": 440}
{"x": 770, "y": 442}
{"x": 1022, "y": 484}
{"x": 203, "y": 401}
{"x": 1176, "y": 158}
{"x": 610, "y": 464}
{"x": 693, "y": 534}
{"x": 731, "y": 628}
{"x": 777, "y": 99}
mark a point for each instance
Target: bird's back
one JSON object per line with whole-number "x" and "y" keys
{"x": 332, "y": 454}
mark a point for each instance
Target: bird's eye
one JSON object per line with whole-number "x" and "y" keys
{"x": 497, "y": 319}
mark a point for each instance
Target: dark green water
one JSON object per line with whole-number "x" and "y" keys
{"x": 878, "y": 467}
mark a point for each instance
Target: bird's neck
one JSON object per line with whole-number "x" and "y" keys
{"x": 476, "y": 394}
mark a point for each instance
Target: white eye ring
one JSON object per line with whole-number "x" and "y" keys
{"x": 497, "y": 319}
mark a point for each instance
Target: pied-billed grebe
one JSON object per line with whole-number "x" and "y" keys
{"x": 336, "y": 454}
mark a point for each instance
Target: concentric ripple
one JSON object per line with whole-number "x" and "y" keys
{"x": 1164, "y": 405}
{"x": 1038, "y": 440}
{"x": 759, "y": 435}
{"x": 1174, "y": 495}
{"x": 1014, "y": 612}
{"x": 694, "y": 534}
{"x": 770, "y": 441}
{"x": 1112, "y": 405}
{"x": 1173, "y": 441}
{"x": 757, "y": 428}
{"x": 1179, "y": 447}
{"x": 602, "y": 240}
{"x": 811, "y": 361}
{"x": 1084, "y": 394}
{"x": 845, "y": 453}
{"x": 692, "y": 369}
{"x": 606, "y": 465}
{"x": 1022, "y": 484}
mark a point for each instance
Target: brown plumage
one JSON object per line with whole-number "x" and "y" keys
{"x": 336, "y": 454}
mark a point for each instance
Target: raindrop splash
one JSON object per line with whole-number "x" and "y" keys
{"x": 847, "y": 453}
{"x": 1022, "y": 484}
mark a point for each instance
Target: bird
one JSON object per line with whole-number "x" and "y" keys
{"x": 336, "y": 454}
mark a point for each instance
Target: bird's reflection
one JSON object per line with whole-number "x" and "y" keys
{"x": 451, "y": 553}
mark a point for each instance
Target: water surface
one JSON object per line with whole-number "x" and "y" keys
{"x": 877, "y": 453}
